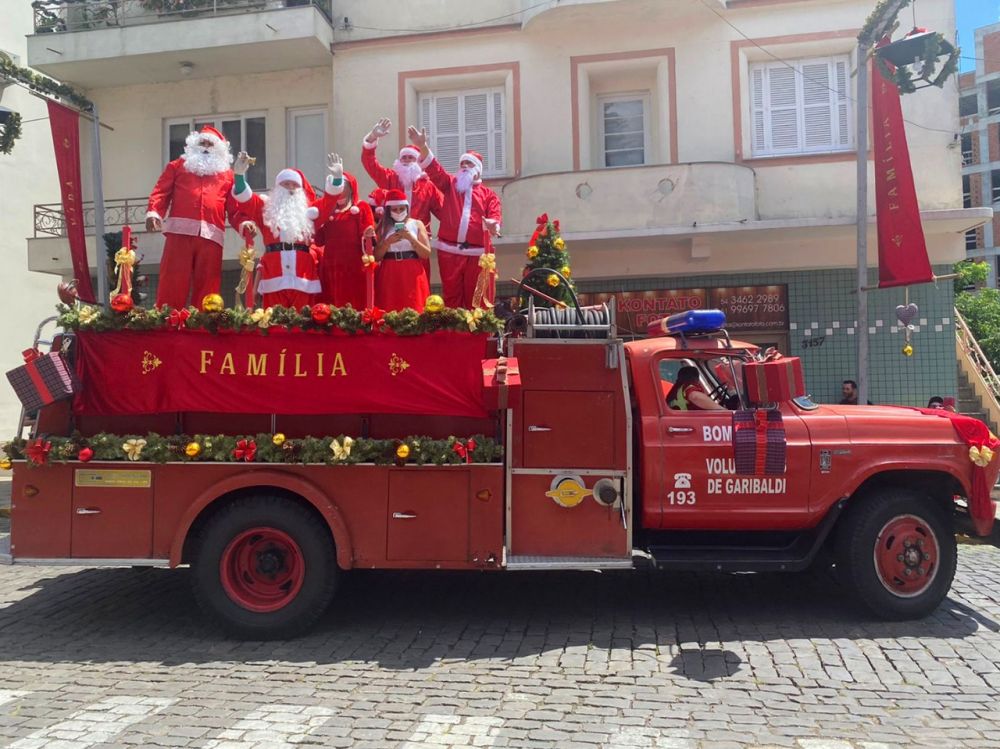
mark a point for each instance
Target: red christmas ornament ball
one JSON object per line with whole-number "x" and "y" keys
{"x": 85, "y": 455}
{"x": 122, "y": 302}
{"x": 320, "y": 312}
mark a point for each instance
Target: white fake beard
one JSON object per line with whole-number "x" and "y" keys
{"x": 204, "y": 163}
{"x": 285, "y": 215}
{"x": 407, "y": 173}
{"x": 464, "y": 180}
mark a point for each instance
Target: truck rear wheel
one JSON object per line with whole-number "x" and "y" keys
{"x": 897, "y": 552}
{"x": 264, "y": 568}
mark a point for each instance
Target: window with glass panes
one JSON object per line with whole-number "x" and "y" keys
{"x": 800, "y": 107}
{"x": 245, "y": 132}
{"x": 623, "y": 129}
{"x": 463, "y": 121}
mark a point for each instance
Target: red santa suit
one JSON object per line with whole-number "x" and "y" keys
{"x": 287, "y": 269}
{"x": 424, "y": 197}
{"x": 340, "y": 232}
{"x": 194, "y": 209}
{"x": 462, "y": 238}
{"x": 402, "y": 279}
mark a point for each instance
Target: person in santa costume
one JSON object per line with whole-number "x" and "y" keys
{"x": 285, "y": 218}
{"x": 190, "y": 204}
{"x": 406, "y": 174}
{"x": 469, "y": 217}
{"x": 403, "y": 244}
{"x": 345, "y": 230}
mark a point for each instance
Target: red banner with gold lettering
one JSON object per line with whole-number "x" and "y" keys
{"x": 902, "y": 250}
{"x": 66, "y": 140}
{"x": 138, "y": 372}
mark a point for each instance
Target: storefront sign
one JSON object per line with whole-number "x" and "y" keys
{"x": 746, "y": 307}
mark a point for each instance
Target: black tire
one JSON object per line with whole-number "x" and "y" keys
{"x": 882, "y": 587}
{"x": 316, "y": 580}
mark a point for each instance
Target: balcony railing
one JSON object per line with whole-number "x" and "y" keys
{"x": 50, "y": 221}
{"x": 57, "y": 16}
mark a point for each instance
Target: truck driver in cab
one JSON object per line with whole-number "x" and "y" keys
{"x": 687, "y": 394}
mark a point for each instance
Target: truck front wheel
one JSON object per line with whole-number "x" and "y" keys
{"x": 897, "y": 552}
{"x": 264, "y": 568}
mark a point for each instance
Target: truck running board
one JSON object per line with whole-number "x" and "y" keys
{"x": 532, "y": 562}
{"x": 793, "y": 557}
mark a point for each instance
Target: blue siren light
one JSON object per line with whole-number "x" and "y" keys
{"x": 691, "y": 322}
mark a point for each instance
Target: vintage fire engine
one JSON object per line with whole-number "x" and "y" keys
{"x": 597, "y": 471}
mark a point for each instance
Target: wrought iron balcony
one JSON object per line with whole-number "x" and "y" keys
{"x": 50, "y": 221}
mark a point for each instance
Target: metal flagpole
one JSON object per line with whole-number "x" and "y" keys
{"x": 98, "y": 181}
{"x": 862, "y": 221}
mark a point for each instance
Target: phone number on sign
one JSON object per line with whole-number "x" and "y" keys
{"x": 747, "y": 309}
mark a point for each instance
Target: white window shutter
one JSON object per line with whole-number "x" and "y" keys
{"x": 782, "y": 101}
{"x": 757, "y": 110}
{"x": 475, "y": 127}
{"x": 447, "y": 131}
{"x": 818, "y": 115}
{"x": 466, "y": 121}
{"x": 840, "y": 77}
{"x": 499, "y": 142}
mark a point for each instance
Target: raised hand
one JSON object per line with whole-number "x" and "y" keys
{"x": 242, "y": 163}
{"x": 379, "y": 130}
{"x": 492, "y": 226}
{"x": 418, "y": 138}
{"x": 154, "y": 224}
{"x": 335, "y": 165}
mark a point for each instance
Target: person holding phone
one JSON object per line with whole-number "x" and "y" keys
{"x": 402, "y": 249}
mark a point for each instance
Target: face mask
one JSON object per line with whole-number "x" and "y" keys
{"x": 398, "y": 215}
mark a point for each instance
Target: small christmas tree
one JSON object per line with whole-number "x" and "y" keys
{"x": 547, "y": 250}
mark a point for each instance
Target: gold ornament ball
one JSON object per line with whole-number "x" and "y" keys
{"x": 532, "y": 252}
{"x": 278, "y": 440}
{"x": 212, "y": 303}
{"x": 907, "y": 350}
{"x": 565, "y": 270}
{"x": 403, "y": 452}
{"x": 553, "y": 280}
{"x": 434, "y": 304}
{"x": 193, "y": 450}
{"x": 5, "y": 464}
{"x": 560, "y": 244}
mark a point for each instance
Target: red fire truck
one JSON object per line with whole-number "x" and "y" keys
{"x": 597, "y": 470}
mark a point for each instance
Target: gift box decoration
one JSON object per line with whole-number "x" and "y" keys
{"x": 43, "y": 379}
{"x": 759, "y": 442}
{"x": 501, "y": 383}
{"x": 774, "y": 381}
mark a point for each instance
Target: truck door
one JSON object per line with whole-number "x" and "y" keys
{"x": 695, "y": 479}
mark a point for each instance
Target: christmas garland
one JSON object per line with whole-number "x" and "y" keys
{"x": 10, "y": 131}
{"x": 903, "y": 78}
{"x": 43, "y": 84}
{"x": 875, "y": 25}
{"x": 317, "y": 317}
{"x": 259, "y": 448}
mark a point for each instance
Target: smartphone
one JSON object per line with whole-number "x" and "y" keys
{"x": 400, "y": 226}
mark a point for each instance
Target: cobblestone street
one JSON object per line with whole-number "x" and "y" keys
{"x": 121, "y": 657}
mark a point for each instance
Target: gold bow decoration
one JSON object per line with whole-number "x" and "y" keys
{"x": 133, "y": 448}
{"x": 487, "y": 269}
{"x": 473, "y": 317}
{"x": 125, "y": 260}
{"x": 341, "y": 450}
{"x": 262, "y": 317}
{"x": 88, "y": 314}
{"x": 981, "y": 456}
{"x": 367, "y": 260}
{"x": 248, "y": 262}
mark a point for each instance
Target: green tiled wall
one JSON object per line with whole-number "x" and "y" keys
{"x": 822, "y": 305}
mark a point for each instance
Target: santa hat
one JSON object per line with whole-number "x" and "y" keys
{"x": 475, "y": 158}
{"x": 395, "y": 198}
{"x": 294, "y": 175}
{"x": 409, "y": 150}
{"x": 212, "y": 134}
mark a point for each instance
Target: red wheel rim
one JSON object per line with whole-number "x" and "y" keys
{"x": 906, "y": 556}
{"x": 262, "y": 569}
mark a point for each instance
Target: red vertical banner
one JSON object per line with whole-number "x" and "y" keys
{"x": 66, "y": 139}
{"x": 902, "y": 250}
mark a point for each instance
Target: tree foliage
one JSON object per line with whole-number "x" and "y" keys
{"x": 980, "y": 307}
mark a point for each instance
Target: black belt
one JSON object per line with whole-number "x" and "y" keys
{"x": 408, "y": 255}
{"x": 280, "y": 246}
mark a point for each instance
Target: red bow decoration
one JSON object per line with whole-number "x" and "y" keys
{"x": 556, "y": 224}
{"x": 178, "y": 318}
{"x": 30, "y": 355}
{"x": 465, "y": 450}
{"x": 374, "y": 317}
{"x": 245, "y": 450}
{"x": 542, "y": 220}
{"x": 38, "y": 451}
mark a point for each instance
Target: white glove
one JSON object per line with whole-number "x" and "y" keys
{"x": 335, "y": 165}
{"x": 379, "y": 130}
{"x": 242, "y": 163}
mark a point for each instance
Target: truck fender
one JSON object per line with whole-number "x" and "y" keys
{"x": 872, "y": 471}
{"x": 275, "y": 479}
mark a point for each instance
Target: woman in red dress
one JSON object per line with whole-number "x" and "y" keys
{"x": 402, "y": 247}
{"x": 344, "y": 230}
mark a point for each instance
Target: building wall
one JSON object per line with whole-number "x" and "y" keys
{"x": 27, "y": 177}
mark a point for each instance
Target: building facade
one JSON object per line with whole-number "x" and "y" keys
{"x": 979, "y": 120}
{"x": 696, "y": 154}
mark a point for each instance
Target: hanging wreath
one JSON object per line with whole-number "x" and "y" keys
{"x": 924, "y": 49}
{"x": 10, "y": 131}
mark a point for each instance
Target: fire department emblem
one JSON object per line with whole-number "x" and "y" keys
{"x": 150, "y": 361}
{"x": 397, "y": 364}
{"x": 568, "y": 491}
